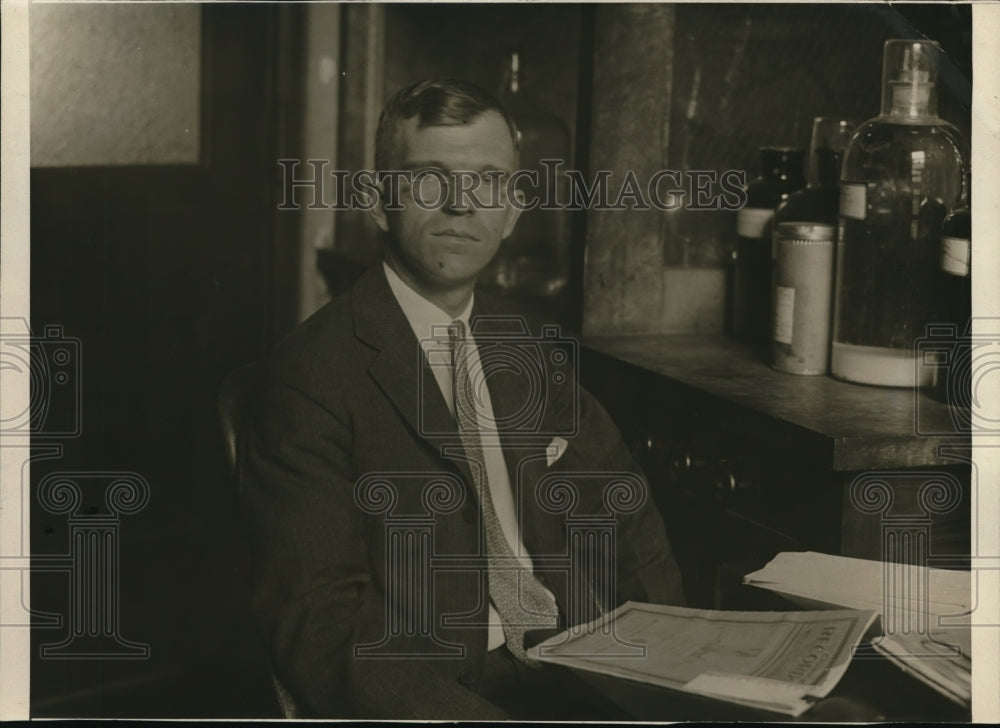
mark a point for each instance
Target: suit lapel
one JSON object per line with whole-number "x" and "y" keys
{"x": 401, "y": 371}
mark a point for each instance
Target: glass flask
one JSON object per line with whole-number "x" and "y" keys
{"x": 902, "y": 175}
{"x": 534, "y": 261}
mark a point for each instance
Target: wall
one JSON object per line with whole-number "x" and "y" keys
{"x": 115, "y": 84}
{"x": 167, "y": 276}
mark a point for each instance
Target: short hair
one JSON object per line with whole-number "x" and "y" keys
{"x": 436, "y": 102}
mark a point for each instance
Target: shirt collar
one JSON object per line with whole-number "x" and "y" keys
{"x": 427, "y": 320}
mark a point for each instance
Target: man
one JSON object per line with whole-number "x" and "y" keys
{"x": 400, "y": 486}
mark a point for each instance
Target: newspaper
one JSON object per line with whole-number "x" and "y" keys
{"x": 923, "y": 616}
{"x": 777, "y": 661}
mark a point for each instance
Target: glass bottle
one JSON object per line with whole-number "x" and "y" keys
{"x": 902, "y": 175}
{"x": 534, "y": 261}
{"x": 805, "y": 236}
{"x": 818, "y": 202}
{"x": 953, "y": 377}
{"x": 781, "y": 174}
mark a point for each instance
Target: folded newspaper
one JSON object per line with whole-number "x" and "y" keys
{"x": 923, "y": 613}
{"x": 778, "y": 661}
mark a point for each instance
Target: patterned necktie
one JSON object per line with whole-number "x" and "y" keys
{"x": 521, "y": 600}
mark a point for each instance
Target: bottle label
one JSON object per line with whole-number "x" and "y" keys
{"x": 955, "y": 256}
{"x": 784, "y": 314}
{"x": 751, "y": 222}
{"x": 853, "y": 200}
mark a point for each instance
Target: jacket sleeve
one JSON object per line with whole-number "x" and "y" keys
{"x": 645, "y": 566}
{"x": 314, "y": 595}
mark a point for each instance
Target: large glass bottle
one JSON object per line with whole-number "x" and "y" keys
{"x": 781, "y": 174}
{"x": 902, "y": 175}
{"x": 534, "y": 261}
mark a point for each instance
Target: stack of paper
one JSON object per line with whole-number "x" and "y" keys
{"x": 924, "y": 612}
{"x": 777, "y": 661}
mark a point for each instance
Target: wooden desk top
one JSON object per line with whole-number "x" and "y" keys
{"x": 866, "y": 427}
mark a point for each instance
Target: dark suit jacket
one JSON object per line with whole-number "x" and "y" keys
{"x": 348, "y": 395}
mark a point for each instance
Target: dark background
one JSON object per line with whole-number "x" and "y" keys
{"x": 172, "y": 276}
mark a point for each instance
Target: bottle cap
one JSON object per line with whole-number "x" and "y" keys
{"x": 909, "y": 75}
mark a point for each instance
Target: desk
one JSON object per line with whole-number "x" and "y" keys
{"x": 846, "y": 427}
{"x": 775, "y": 455}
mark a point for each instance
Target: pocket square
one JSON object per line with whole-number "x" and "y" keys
{"x": 555, "y": 450}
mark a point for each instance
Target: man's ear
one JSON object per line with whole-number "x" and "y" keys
{"x": 377, "y": 211}
{"x": 513, "y": 213}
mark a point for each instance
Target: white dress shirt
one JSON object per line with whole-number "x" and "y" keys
{"x": 430, "y": 325}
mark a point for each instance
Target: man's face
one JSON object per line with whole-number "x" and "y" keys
{"x": 445, "y": 246}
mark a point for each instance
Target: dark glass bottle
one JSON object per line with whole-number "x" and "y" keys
{"x": 781, "y": 174}
{"x": 902, "y": 175}
{"x": 818, "y": 202}
{"x": 534, "y": 261}
{"x": 953, "y": 376}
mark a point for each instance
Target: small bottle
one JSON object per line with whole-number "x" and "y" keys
{"x": 534, "y": 261}
{"x": 902, "y": 175}
{"x": 805, "y": 236}
{"x": 953, "y": 377}
{"x": 781, "y": 175}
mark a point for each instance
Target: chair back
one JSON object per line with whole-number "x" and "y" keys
{"x": 234, "y": 403}
{"x": 235, "y": 396}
